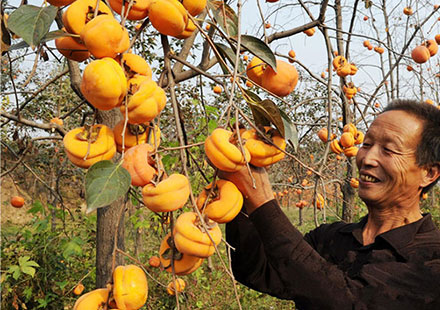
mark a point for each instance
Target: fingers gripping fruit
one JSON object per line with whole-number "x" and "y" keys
{"x": 224, "y": 202}
{"x": 222, "y": 152}
{"x": 183, "y": 263}
{"x": 71, "y": 49}
{"x": 86, "y": 146}
{"x": 168, "y": 195}
{"x": 80, "y": 12}
{"x": 93, "y": 300}
{"x": 176, "y": 286}
{"x": 140, "y": 164}
{"x": 105, "y": 37}
{"x": 135, "y": 135}
{"x": 263, "y": 153}
{"x": 145, "y": 104}
{"x": 104, "y": 84}
{"x": 130, "y": 287}
{"x": 169, "y": 17}
{"x": 138, "y": 11}
{"x": 191, "y": 239}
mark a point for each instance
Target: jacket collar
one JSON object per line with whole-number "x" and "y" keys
{"x": 398, "y": 238}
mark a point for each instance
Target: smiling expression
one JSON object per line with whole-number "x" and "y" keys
{"x": 389, "y": 175}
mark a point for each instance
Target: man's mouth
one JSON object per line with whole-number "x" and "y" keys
{"x": 368, "y": 178}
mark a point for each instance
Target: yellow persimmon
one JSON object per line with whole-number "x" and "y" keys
{"x": 104, "y": 84}
{"x": 105, "y": 37}
{"x": 191, "y": 239}
{"x": 145, "y": 104}
{"x": 221, "y": 150}
{"x": 169, "y": 17}
{"x": 168, "y": 195}
{"x": 224, "y": 202}
{"x": 263, "y": 153}
{"x": 86, "y": 146}
{"x": 80, "y": 12}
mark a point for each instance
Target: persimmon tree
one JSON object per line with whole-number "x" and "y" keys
{"x": 197, "y": 82}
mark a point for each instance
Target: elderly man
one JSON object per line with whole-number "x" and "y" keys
{"x": 389, "y": 260}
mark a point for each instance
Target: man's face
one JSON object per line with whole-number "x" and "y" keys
{"x": 389, "y": 175}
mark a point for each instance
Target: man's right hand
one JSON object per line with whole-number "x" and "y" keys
{"x": 254, "y": 197}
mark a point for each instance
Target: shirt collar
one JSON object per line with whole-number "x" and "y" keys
{"x": 397, "y": 238}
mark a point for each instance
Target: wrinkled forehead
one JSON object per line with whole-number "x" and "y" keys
{"x": 398, "y": 123}
{"x": 399, "y": 118}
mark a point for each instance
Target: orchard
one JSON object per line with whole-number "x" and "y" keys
{"x": 116, "y": 116}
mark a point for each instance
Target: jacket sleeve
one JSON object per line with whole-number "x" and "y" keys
{"x": 273, "y": 257}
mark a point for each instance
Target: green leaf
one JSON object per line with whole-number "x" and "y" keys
{"x": 225, "y": 16}
{"x": 229, "y": 53}
{"x": 265, "y": 113}
{"x": 260, "y": 49}
{"x": 253, "y": 96}
{"x": 49, "y": 36}
{"x": 71, "y": 248}
{"x": 105, "y": 182}
{"x": 37, "y": 207}
{"x": 15, "y": 270}
{"x": 28, "y": 270}
{"x": 62, "y": 284}
{"x": 291, "y": 133}
{"x": 23, "y": 259}
{"x": 31, "y": 22}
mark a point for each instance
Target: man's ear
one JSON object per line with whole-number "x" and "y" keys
{"x": 432, "y": 173}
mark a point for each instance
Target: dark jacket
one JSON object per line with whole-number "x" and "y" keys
{"x": 329, "y": 268}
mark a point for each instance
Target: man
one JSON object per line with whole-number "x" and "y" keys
{"x": 389, "y": 260}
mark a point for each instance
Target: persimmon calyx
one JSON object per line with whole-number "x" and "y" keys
{"x": 89, "y": 133}
{"x": 137, "y": 129}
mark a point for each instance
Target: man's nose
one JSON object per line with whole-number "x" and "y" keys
{"x": 370, "y": 156}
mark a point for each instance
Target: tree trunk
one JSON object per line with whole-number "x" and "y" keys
{"x": 348, "y": 193}
{"x": 105, "y": 234}
{"x": 107, "y": 221}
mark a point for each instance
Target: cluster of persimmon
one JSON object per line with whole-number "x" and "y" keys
{"x": 377, "y": 49}
{"x": 319, "y": 201}
{"x": 349, "y": 90}
{"x": 342, "y": 67}
{"x": 128, "y": 291}
{"x": 426, "y": 50}
{"x": 346, "y": 144}
{"x": 280, "y": 81}
{"x": 169, "y": 17}
{"x": 224, "y": 150}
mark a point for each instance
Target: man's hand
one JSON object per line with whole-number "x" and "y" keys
{"x": 254, "y": 197}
